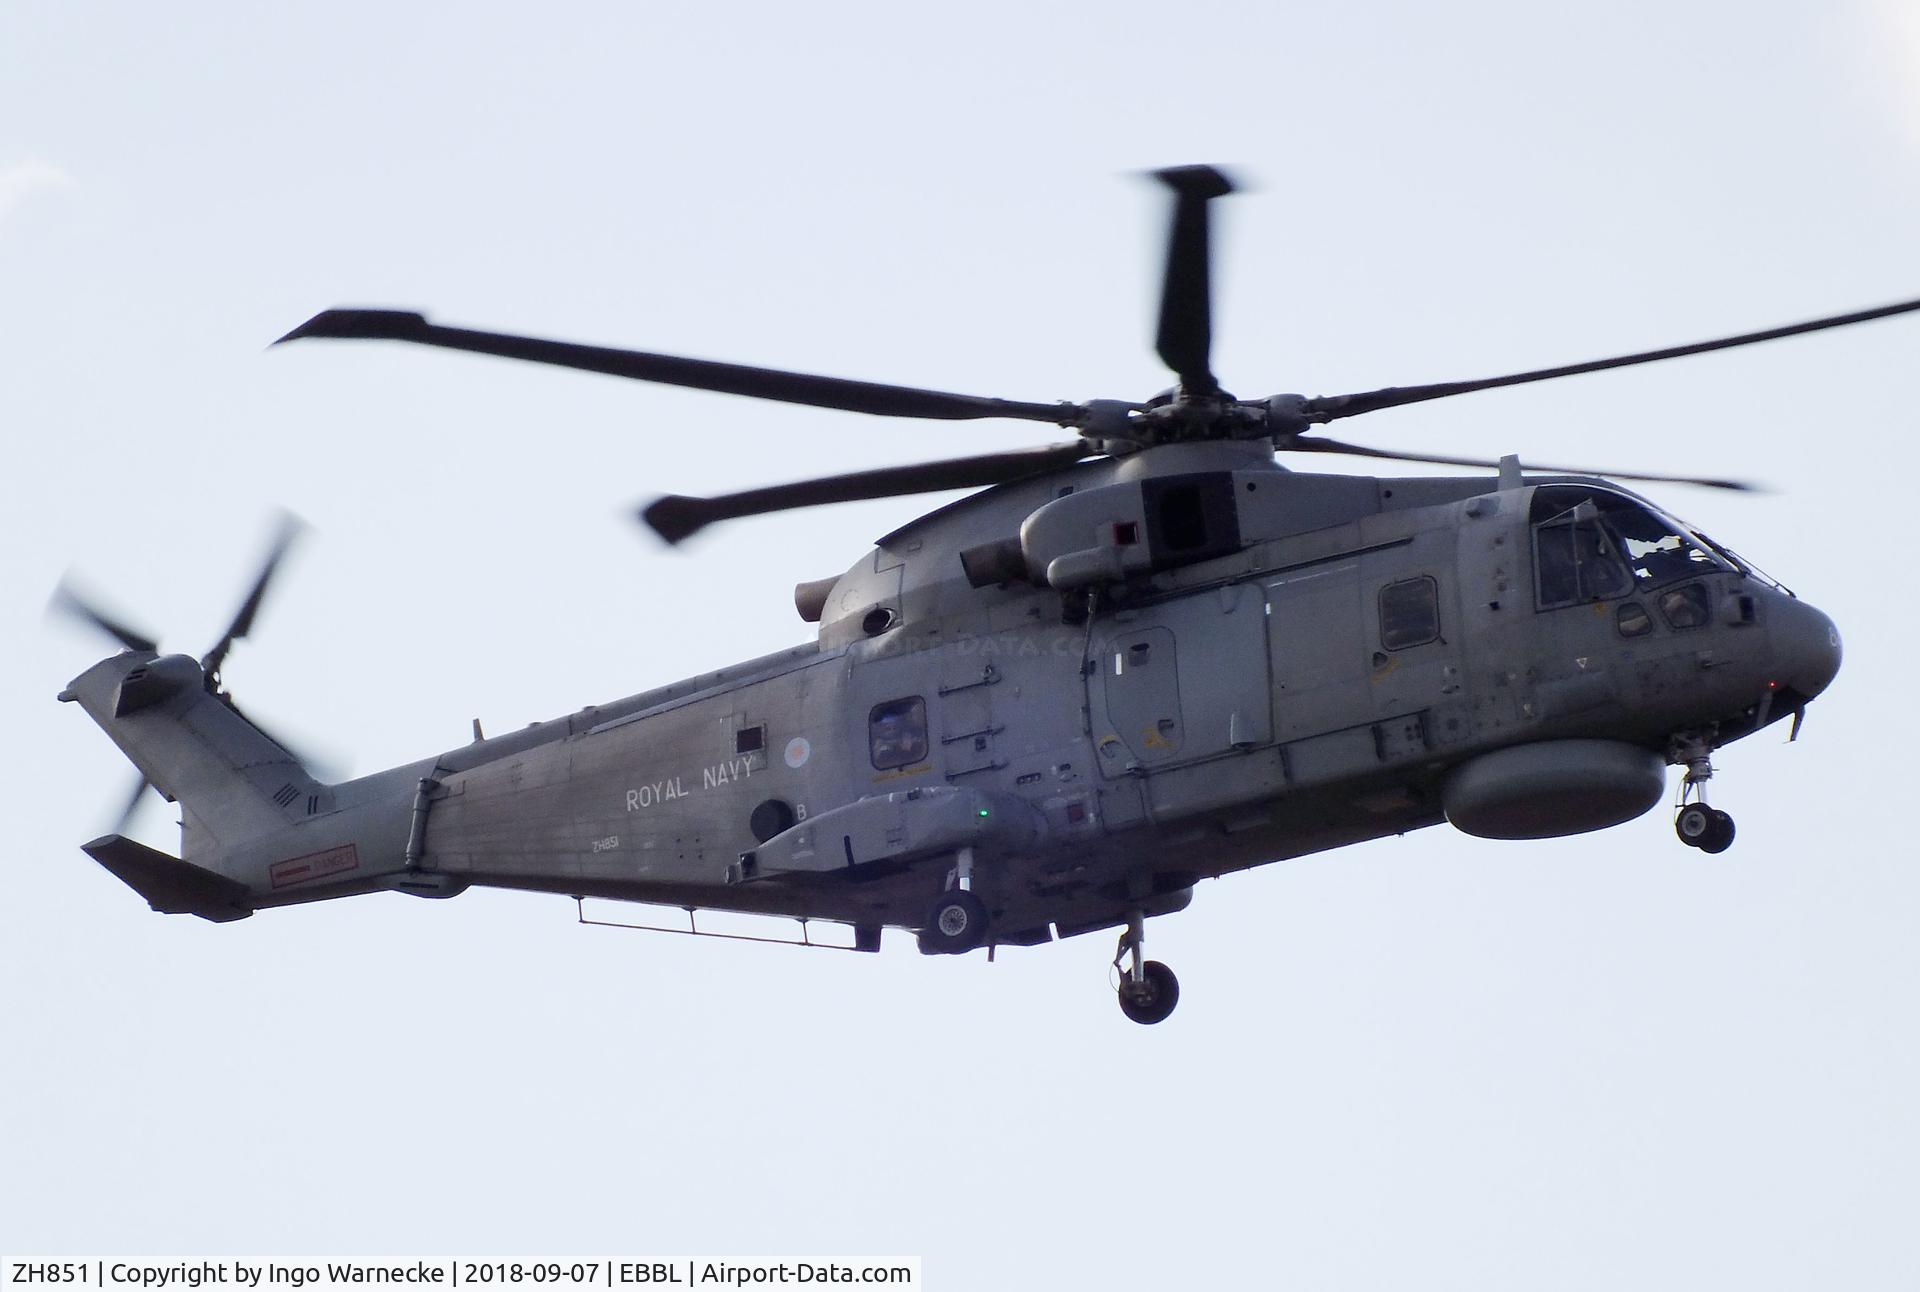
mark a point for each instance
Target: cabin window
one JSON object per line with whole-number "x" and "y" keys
{"x": 897, "y": 732}
{"x": 749, "y": 740}
{"x": 1686, "y": 606}
{"x": 1409, "y": 613}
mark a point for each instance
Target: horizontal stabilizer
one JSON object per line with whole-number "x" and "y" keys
{"x": 170, "y": 885}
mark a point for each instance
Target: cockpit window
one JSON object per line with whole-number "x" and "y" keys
{"x": 1633, "y": 620}
{"x": 1657, "y": 550}
{"x": 1593, "y": 545}
{"x": 1686, "y": 606}
{"x": 1577, "y": 559}
{"x": 1742, "y": 564}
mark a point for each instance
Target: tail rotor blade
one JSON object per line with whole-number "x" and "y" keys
{"x": 140, "y": 786}
{"x": 70, "y": 603}
{"x": 320, "y": 764}
{"x": 1185, "y": 336}
{"x": 289, "y": 530}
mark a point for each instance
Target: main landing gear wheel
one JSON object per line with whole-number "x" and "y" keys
{"x": 1148, "y": 990}
{"x": 957, "y": 924}
{"x": 1152, "y": 998}
{"x": 1708, "y": 829}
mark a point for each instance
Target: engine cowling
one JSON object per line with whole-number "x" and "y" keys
{"x": 1110, "y": 533}
{"x": 157, "y": 681}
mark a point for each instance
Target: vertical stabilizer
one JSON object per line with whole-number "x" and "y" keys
{"x": 231, "y": 779}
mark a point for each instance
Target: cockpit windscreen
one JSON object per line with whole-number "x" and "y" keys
{"x": 1593, "y": 545}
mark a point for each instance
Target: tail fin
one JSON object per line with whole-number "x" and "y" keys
{"x": 232, "y": 780}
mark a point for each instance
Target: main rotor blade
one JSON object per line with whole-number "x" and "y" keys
{"x": 1329, "y": 407}
{"x": 676, "y": 517}
{"x": 698, "y": 374}
{"x": 290, "y": 526}
{"x": 69, "y": 602}
{"x": 1185, "y": 336}
{"x": 1316, "y": 444}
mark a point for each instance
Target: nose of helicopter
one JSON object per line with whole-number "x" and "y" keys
{"x": 1806, "y": 647}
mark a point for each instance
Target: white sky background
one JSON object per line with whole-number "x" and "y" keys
{"x": 1428, "y": 1062}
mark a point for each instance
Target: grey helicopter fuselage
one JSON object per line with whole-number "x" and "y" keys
{"x": 1096, "y": 687}
{"x": 1139, "y": 657}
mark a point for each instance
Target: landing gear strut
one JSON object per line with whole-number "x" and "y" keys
{"x": 1148, "y": 990}
{"x": 958, "y": 922}
{"x": 1700, "y": 826}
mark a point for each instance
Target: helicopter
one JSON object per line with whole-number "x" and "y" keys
{"x": 1132, "y": 660}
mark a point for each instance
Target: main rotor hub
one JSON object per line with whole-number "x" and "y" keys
{"x": 1177, "y": 417}
{"x": 1188, "y": 417}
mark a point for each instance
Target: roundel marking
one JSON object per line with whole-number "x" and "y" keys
{"x": 798, "y": 751}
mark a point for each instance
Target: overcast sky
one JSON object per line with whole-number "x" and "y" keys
{"x": 1430, "y": 1062}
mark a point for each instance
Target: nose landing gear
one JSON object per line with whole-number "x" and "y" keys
{"x": 1699, "y": 826}
{"x": 1148, "y": 990}
{"x": 1705, "y": 828}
